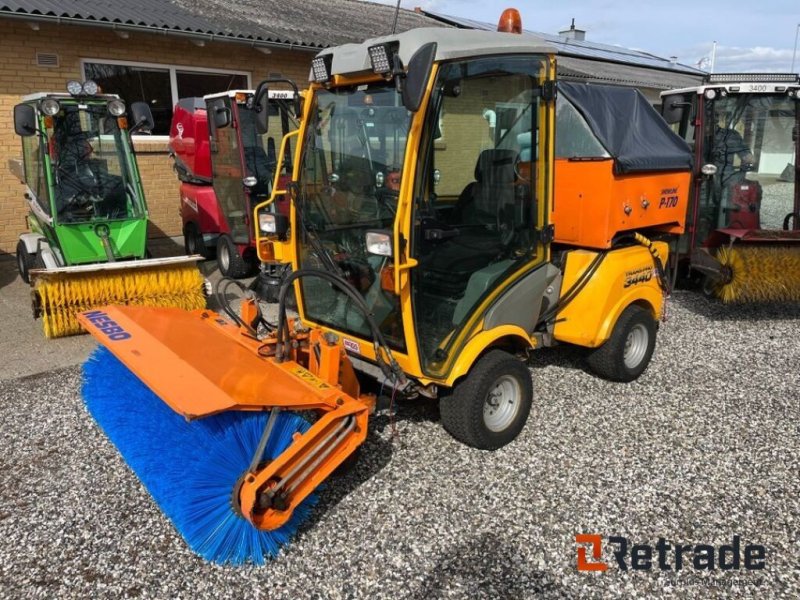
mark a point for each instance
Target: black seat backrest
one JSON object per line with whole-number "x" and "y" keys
{"x": 272, "y": 155}
{"x": 493, "y": 187}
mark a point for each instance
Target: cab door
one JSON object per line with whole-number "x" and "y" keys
{"x": 226, "y": 161}
{"x": 479, "y": 209}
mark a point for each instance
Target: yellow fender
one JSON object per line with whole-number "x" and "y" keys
{"x": 625, "y": 276}
{"x": 479, "y": 343}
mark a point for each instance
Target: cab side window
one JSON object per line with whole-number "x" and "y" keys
{"x": 34, "y": 171}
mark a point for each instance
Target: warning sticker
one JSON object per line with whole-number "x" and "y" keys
{"x": 310, "y": 378}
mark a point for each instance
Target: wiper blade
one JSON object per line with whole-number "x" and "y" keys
{"x": 313, "y": 238}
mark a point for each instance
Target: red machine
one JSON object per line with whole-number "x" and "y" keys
{"x": 742, "y": 240}
{"x": 226, "y": 167}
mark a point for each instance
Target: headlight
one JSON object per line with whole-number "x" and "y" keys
{"x": 709, "y": 169}
{"x": 50, "y": 107}
{"x": 116, "y": 108}
{"x": 90, "y": 88}
{"x": 75, "y": 88}
{"x": 266, "y": 223}
{"x": 379, "y": 243}
{"x": 273, "y": 224}
{"x": 711, "y": 94}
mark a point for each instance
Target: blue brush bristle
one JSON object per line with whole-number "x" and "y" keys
{"x": 190, "y": 468}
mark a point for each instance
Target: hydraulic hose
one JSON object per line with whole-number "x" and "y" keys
{"x": 393, "y": 369}
{"x": 587, "y": 275}
{"x": 647, "y": 243}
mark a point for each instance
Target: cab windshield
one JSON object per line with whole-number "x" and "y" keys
{"x": 752, "y": 140}
{"x": 91, "y": 171}
{"x": 349, "y": 183}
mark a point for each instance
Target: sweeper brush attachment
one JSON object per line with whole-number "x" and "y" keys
{"x": 60, "y": 294}
{"x": 199, "y": 410}
{"x": 191, "y": 468}
{"x": 759, "y": 273}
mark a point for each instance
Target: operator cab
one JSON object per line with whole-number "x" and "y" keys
{"x": 88, "y": 152}
{"x": 243, "y": 160}
{"x": 744, "y": 128}
{"x": 475, "y": 181}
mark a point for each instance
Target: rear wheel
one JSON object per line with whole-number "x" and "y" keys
{"x": 489, "y": 408}
{"x": 193, "y": 241}
{"x": 628, "y": 351}
{"x": 229, "y": 261}
{"x": 25, "y": 261}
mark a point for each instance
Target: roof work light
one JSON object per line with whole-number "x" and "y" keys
{"x": 321, "y": 68}
{"x": 379, "y": 58}
{"x": 87, "y": 88}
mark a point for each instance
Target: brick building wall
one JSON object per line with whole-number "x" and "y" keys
{"x": 20, "y": 75}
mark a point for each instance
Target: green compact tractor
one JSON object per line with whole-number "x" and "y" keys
{"x": 87, "y": 217}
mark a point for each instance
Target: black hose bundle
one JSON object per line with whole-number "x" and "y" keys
{"x": 389, "y": 366}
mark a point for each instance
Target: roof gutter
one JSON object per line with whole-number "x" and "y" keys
{"x": 190, "y": 35}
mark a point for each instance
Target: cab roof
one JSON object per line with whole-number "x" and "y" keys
{"x": 450, "y": 44}
{"x": 275, "y": 94}
{"x": 65, "y": 96}
{"x": 744, "y": 83}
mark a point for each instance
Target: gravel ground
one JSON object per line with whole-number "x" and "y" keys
{"x": 704, "y": 446}
{"x": 776, "y": 202}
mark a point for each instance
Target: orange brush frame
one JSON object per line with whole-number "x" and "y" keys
{"x": 200, "y": 364}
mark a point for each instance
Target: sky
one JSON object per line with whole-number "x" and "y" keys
{"x": 753, "y": 36}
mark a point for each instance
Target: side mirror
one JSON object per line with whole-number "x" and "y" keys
{"x": 261, "y": 102}
{"x": 419, "y": 70}
{"x": 219, "y": 114}
{"x": 262, "y": 112}
{"x": 24, "y": 120}
{"x": 142, "y": 117}
{"x": 673, "y": 108}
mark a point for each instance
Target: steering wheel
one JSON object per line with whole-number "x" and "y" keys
{"x": 519, "y": 173}
{"x": 506, "y": 224}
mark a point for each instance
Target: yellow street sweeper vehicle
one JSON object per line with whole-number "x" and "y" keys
{"x": 432, "y": 248}
{"x": 86, "y": 211}
{"x": 743, "y": 227}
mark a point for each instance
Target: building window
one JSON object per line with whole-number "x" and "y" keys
{"x": 161, "y": 86}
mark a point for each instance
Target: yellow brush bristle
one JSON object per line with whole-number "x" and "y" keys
{"x": 760, "y": 274}
{"x": 63, "y": 295}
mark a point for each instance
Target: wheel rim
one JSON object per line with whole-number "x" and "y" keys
{"x": 501, "y": 405}
{"x": 224, "y": 258}
{"x": 636, "y": 346}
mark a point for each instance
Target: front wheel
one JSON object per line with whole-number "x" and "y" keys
{"x": 193, "y": 242}
{"x": 25, "y": 261}
{"x": 229, "y": 261}
{"x": 489, "y": 408}
{"x": 626, "y": 354}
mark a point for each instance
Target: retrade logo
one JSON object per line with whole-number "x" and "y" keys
{"x": 596, "y": 543}
{"x": 667, "y": 555}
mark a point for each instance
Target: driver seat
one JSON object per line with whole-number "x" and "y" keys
{"x": 492, "y": 190}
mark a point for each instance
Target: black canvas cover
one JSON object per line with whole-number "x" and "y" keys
{"x": 629, "y": 128}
